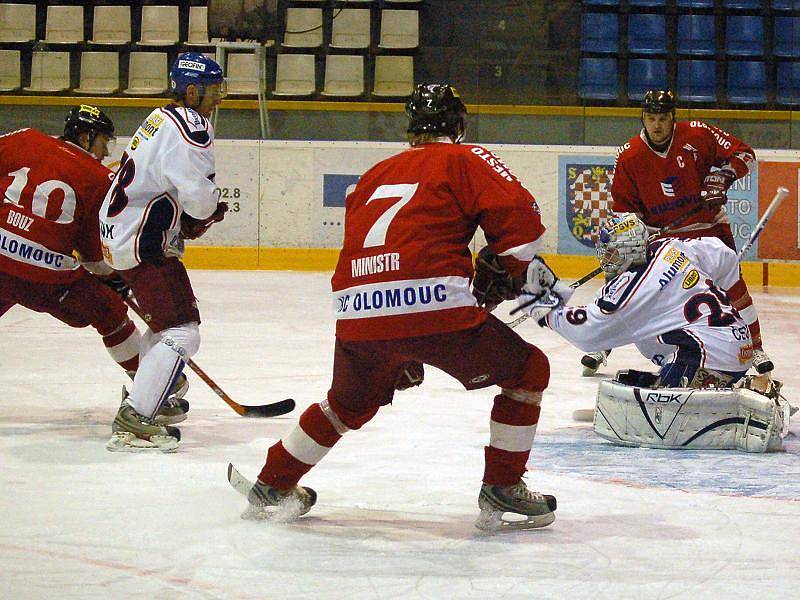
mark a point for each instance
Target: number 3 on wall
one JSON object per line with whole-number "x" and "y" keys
{"x": 376, "y": 236}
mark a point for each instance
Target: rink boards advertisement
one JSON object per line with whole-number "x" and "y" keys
{"x": 290, "y": 196}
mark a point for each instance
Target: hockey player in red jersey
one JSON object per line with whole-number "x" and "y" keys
{"x": 671, "y": 169}
{"x": 49, "y": 244}
{"x": 401, "y": 298}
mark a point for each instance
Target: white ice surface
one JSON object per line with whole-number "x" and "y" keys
{"x": 397, "y": 500}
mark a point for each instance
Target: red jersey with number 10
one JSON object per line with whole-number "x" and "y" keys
{"x": 662, "y": 186}
{"x": 52, "y": 191}
{"x": 405, "y": 266}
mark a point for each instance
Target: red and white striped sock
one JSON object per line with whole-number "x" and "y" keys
{"x": 123, "y": 345}
{"x": 511, "y": 429}
{"x": 303, "y": 447}
{"x": 742, "y": 301}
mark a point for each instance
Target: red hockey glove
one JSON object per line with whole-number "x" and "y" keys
{"x": 192, "y": 228}
{"x": 411, "y": 374}
{"x": 715, "y": 188}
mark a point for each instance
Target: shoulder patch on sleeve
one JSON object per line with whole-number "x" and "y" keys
{"x": 496, "y": 163}
{"x": 192, "y": 126}
{"x": 615, "y": 292}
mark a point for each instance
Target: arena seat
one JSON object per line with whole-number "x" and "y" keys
{"x": 49, "y": 72}
{"x": 64, "y": 24}
{"x": 99, "y": 73}
{"x": 147, "y": 74}
{"x": 344, "y": 75}
{"x": 295, "y": 75}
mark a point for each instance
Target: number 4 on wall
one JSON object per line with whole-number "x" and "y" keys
{"x": 376, "y": 236}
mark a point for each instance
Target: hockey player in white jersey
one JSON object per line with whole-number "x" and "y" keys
{"x": 163, "y": 193}
{"x": 664, "y": 297}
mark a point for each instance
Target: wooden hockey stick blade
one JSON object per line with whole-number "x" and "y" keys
{"x": 584, "y": 415}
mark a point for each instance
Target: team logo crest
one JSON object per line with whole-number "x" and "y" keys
{"x": 668, "y": 186}
{"x": 588, "y": 200}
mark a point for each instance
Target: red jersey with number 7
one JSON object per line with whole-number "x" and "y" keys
{"x": 405, "y": 267}
{"x": 52, "y": 192}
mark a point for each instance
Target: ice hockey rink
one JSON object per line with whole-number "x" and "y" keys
{"x": 397, "y": 500}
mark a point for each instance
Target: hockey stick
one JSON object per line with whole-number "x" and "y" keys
{"x": 780, "y": 194}
{"x": 273, "y": 409}
{"x": 587, "y": 414}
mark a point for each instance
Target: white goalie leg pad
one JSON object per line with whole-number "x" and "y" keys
{"x": 162, "y": 363}
{"x": 710, "y": 419}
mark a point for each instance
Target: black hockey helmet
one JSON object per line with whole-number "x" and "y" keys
{"x": 86, "y": 119}
{"x": 436, "y": 108}
{"x": 659, "y": 101}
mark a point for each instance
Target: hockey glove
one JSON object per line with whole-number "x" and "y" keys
{"x": 493, "y": 284}
{"x": 411, "y": 374}
{"x": 538, "y": 307}
{"x": 116, "y": 283}
{"x": 715, "y": 188}
{"x": 192, "y": 228}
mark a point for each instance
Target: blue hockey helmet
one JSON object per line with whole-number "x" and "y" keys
{"x": 193, "y": 68}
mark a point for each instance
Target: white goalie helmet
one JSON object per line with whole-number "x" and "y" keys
{"x": 622, "y": 243}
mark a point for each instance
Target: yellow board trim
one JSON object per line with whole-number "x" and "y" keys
{"x": 778, "y": 274}
{"x": 395, "y": 107}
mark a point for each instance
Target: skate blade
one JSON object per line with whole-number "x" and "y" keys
{"x": 128, "y": 442}
{"x": 493, "y": 521}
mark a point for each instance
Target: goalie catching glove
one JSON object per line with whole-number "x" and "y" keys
{"x": 493, "y": 284}
{"x": 543, "y": 291}
{"x": 192, "y": 228}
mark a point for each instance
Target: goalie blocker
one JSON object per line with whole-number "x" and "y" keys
{"x": 695, "y": 419}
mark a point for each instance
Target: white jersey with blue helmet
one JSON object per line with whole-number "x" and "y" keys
{"x": 167, "y": 169}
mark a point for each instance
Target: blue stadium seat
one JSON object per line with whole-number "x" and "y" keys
{"x": 601, "y": 2}
{"x": 597, "y": 78}
{"x": 788, "y": 91}
{"x": 785, "y": 4}
{"x": 695, "y": 3}
{"x": 648, "y": 2}
{"x": 787, "y": 37}
{"x": 744, "y": 36}
{"x": 747, "y": 82}
{"x": 646, "y": 74}
{"x": 697, "y": 35}
{"x": 697, "y": 80}
{"x": 744, "y": 4}
{"x": 647, "y": 34}
{"x": 600, "y": 32}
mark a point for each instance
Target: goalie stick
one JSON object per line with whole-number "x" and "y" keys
{"x": 587, "y": 414}
{"x": 274, "y": 409}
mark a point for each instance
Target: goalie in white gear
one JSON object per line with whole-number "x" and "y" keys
{"x": 664, "y": 296}
{"x": 163, "y": 193}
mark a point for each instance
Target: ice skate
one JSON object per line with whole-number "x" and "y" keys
{"x": 132, "y": 432}
{"x": 532, "y": 509}
{"x": 278, "y": 505}
{"x": 762, "y": 362}
{"x": 592, "y": 361}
